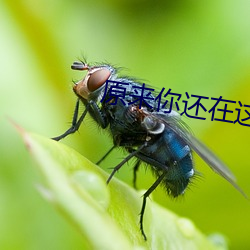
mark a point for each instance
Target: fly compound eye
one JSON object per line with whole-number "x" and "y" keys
{"x": 97, "y": 79}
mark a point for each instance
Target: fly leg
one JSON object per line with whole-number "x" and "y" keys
{"x": 136, "y": 167}
{"x": 93, "y": 109}
{"x": 75, "y": 123}
{"x": 97, "y": 114}
{"x": 105, "y": 155}
{"x": 124, "y": 161}
{"x": 145, "y": 196}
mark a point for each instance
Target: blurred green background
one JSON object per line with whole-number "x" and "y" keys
{"x": 199, "y": 47}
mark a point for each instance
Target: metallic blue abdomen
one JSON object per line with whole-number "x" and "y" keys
{"x": 168, "y": 153}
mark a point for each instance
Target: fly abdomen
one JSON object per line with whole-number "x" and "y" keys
{"x": 178, "y": 176}
{"x": 180, "y": 166}
{"x": 177, "y": 147}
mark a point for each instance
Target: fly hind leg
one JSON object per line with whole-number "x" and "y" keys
{"x": 145, "y": 196}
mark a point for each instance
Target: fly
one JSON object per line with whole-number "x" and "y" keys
{"x": 155, "y": 137}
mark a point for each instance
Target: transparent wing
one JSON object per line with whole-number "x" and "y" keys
{"x": 206, "y": 154}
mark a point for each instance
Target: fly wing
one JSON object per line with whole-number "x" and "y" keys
{"x": 206, "y": 154}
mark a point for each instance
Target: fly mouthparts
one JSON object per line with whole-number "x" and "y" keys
{"x": 79, "y": 66}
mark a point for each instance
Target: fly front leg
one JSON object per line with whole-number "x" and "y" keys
{"x": 97, "y": 114}
{"x": 75, "y": 123}
{"x": 94, "y": 111}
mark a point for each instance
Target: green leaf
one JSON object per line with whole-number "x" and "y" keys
{"x": 107, "y": 215}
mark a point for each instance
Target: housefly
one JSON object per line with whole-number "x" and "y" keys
{"x": 153, "y": 136}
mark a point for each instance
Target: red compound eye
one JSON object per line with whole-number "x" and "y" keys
{"x": 97, "y": 79}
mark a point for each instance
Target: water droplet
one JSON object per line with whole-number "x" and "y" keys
{"x": 94, "y": 185}
{"x": 186, "y": 226}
